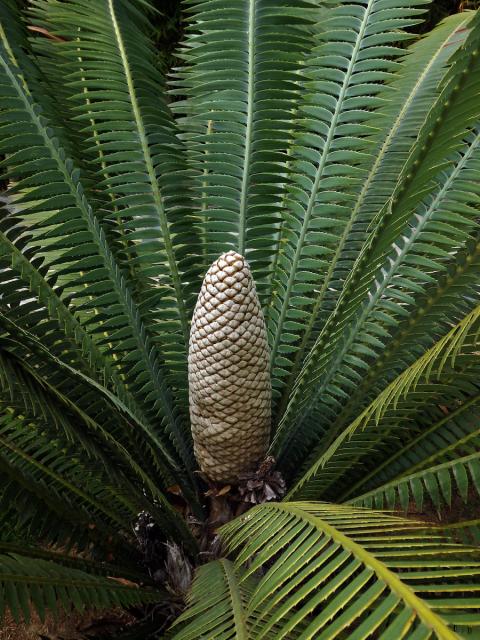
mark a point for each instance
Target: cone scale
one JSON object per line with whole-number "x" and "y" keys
{"x": 228, "y": 371}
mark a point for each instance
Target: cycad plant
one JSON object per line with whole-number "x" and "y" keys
{"x": 320, "y": 174}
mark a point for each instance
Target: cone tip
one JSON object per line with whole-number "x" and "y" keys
{"x": 230, "y": 259}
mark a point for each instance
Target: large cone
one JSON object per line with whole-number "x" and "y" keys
{"x": 228, "y": 372}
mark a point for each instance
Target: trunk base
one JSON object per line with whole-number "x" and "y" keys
{"x": 227, "y": 501}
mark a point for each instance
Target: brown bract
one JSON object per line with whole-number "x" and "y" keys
{"x": 228, "y": 369}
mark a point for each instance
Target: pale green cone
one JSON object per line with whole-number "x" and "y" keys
{"x": 228, "y": 372}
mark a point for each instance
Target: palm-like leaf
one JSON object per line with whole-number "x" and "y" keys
{"x": 241, "y": 86}
{"x": 59, "y": 418}
{"x": 407, "y": 99}
{"x": 453, "y": 356}
{"x": 344, "y": 73}
{"x": 429, "y": 156}
{"x": 51, "y": 586}
{"x": 438, "y": 438}
{"x": 435, "y": 482}
{"x": 412, "y": 185}
{"x": 141, "y": 156}
{"x": 223, "y": 612}
{"x": 336, "y": 569}
{"x": 95, "y": 567}
{"x": 43, "y": 198}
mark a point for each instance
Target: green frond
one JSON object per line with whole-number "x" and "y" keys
{"x": 37, "y": 512}
{"x": 452, "y": 294}
{"x": 441, "y": 124}
{"x": 431, "y": 364}
{"x": 27, "y": 583}
{"x": 31, "y": 457}
{"x": 36, "y": 454}
{"x": 426, "y": 285}
{"x": 93, "y": 567}
{"x": 36, "y": 303}
{"x": 15, "y": 36}
{"x": 35, "y": 402}
{"x": 241, "y": 82}
{"x": 442, "y": 134}
{"x": 95, "y": 406}
{"x": 439, "y": 435}
{"x": 67, "y": 238}
{"x": 406, "y": 101}
{"x": 336, "y": 570}
{"x": 352, "y": 57}
{"x": 216, "y": 604}
{"x": 83, "y": 379}
{"x": 440, "y": 242}
{"x": 24, "y": 282}
{"x": 446, "y": 368}
{"x": 346, "y": 168}
{"x": 139, "y": 165}
{"x": 436, "y": 482}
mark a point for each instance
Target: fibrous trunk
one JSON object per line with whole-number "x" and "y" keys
{"x": 228, "y": 369}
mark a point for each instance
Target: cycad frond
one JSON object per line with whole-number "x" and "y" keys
{"x": 345, "y": 70}
{"x": 30, "y": 300}
{"x": 453, "y": 356}
{"x": 241, "y": 86}
{"x": 332, "y": 569}
{"x": 39, "y": 463}
{"x": 34, "y": 401}
{"x": 407, "y": 99}
{"x": 14, "y": 34}
{"x": 92, "y": 567}
{"x": 424, "y": 287}
{"x": 437, "y": 438}
{"x": 436, "y": 482}
{"x": 454, "y": 112}
{"x": 138, "y": 160}
{"x": 97, "y": 408}
{"x": 38, "y": 428}
{"x": 222, "y": 612}
{"x": 451, "y": 290}
{"x": 53, "y": 204}
{"x": 27, "y": 583}
{"x": 345, "y": 167}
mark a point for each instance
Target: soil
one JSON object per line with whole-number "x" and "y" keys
{"x": 73, "y": 626}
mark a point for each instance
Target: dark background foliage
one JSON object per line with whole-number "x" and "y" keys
{"x": 169, "y": 22}
{"x": 442, "y": 8}
{"x": 169, "y": 25}
{"x": 168, "y": 29}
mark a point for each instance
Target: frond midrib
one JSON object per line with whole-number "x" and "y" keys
{"x": 69, "y": 486}
{"x": 248, "y": 129}
{"x": 56, "y": 581}
{"x": 235, "y": 596}
{"x": 407, "y": 193}
{"x": 394, "y": 583}
{"x": 318, "y": 177}
{"x": 412, "y": 475}
{"x": 116, "y": 279}
{"x": 152, "y": 177}
{"x": 446, "y": 347}
{"x": 387, "y": 277}
{"x": 378, "y": 158}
